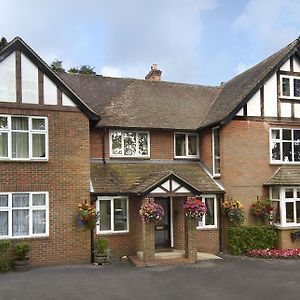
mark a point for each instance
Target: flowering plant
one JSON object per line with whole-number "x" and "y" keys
{"x": 194, "y": 208}
{"x": 263, "y": 208}
{"x": 87, "y": 215}
{"x": 234, "y": 210}
{"x": 275, "y": 253}
{"x": 151, "y": 211}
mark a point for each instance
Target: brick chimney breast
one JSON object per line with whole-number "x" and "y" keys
{"x": 154, "y": 74}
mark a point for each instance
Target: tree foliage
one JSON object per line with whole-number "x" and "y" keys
{"x": 56, "y": 65}
{"x": 84, "y": 69}
{"x": 3, "y": 43}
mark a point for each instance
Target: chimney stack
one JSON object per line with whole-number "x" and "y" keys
{"x": 154, "y": 74}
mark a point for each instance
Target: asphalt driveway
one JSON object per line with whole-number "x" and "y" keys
{"x": 229, "y": 278}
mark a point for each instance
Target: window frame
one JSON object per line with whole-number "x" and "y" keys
{"x": 30, "y": 132}
{"x": 31, "y": 208}
{"x": 281, "y": 141}
{"x": 202, "y": 222}
{"x": 111, "y": 131}
{"x": 186, "y": 156}
{"x": 111, "y": 199}
{"x": 215, "y": 175}
{"x": 291, "y": 80}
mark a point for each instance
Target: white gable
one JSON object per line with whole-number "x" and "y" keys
{"x": 253, "y": 105}
{"x": 170, "y": 186}
{"x": 66, "y": 101}
{"x": 8, "y": 79}
{"x": 286, "y": 66}
{"x": 270, "y": 97}
{"x": 50, "y": 92}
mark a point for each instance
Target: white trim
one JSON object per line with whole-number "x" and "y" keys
{"x": 30, "y": 207}
{"x": 202, "y": 222}
{"x": 187, "y": 134}
{"x": 215, "y": 175}
{"x": 111, "y": 131}
{"x": 291, "y": 80}
{"x": 111, "y": 199}
{"x": 171, "y": 222}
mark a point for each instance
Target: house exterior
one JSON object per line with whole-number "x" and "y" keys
{"x": 66, "y": 139}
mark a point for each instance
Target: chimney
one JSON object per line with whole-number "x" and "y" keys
{"x": 154, "y": 74}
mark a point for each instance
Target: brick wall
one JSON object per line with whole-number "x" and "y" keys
{"x": 65, "y": 176}
{"x": 206, "y": 148}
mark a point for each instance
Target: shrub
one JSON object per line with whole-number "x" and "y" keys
{"x": 101, "y": 246}
{"x": 22, "y": 250}
{"x": 245, "y": 238}
{"x": 4, "y": 266}
{"x": 4, "y": 263}
{"x": 4, "y": 245}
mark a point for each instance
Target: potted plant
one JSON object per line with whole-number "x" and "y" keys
{"x": 262, "y": 208}
{"x": 87, "y": 215}
{"x": 194, "y": 208}
{"x": 4, "y": 263}
{"x": 235, "y": 212}
{"x": 102, "y": 253}
{"x": 151, "y": 211}
{"x": 22, "y": 260}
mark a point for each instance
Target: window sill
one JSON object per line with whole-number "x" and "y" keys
{"x": 284, "y": 163}
{"x": 112, "y": 233}
{"x": 186, "y": 158}
{"x": 130, "y": 157}
{"x": 32, "y": 237}
{"x": 217, "y": 176}
{"x": 23, "y": 160}
{"x": 287, "y": 227}
{"x": 207, "y": 228}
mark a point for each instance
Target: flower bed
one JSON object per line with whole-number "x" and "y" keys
{"x": 275, "y": 253}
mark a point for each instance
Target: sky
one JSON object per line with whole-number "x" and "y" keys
{"x": 192, "y": 41}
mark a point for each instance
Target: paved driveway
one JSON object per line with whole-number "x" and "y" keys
{"x": 232, "y": 279}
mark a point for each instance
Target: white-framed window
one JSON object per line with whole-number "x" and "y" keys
{"x": 286, "y": 203}
{"x": 186, "y": 145}
{"x": 24, "y": 214}
{"x": 209, "y": 220}
{"x": 125, "y": 143}
{"x": 23, "y": 138}
{"x": 289, "y": 87}
{"x": 216, "y": 152}
{"x": 114, "y": 215}
{"x": 284, "y": 145}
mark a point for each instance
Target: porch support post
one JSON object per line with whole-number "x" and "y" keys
{"x": 148, "y": 240}
{"x": 191, "y": 239}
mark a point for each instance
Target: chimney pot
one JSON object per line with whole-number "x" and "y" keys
{"x": 154, "y": 74}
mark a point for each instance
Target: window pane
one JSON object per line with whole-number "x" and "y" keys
{"x": 217, "y": 166}
{"x": 105, "y": 214}
{"x": 3, "y": 200}
{"x": 20, "y": 145}
{"x": 297, "y": 135}
{"x": 129, "y": 143}
{"x": 298, "y": 193}
{"x": 180, "y": 144}
{"x": 289, "y": 206}
{"x": 38, "y": 145}
{"x": 20, "y": 200}
{"x": 192, "y": 145}
{"x": 298, "y": 211}
{"x": 276, "y": 212}
{"x": 38, "y": 199}
{"x": 275, "y": 134}
{"x": 3, "y": 144}
{"x": 38, "y": 124}
{"x": 38, "y": 221}
{"x": 287, "y": 151}
{"x": 285, "y": 86}
{"x": 116, "y": 143}
{"x": 276, "y": 151}
{"x": 297, "y": 151}
{"x": 210, "y": 214}
{"x": 286, "y": 134}
{"x": 216, "y": 142}
{"x": 19, "y": 123}
{"x": 297, "y": 87}
{"x": 275, "y": 193}
{"x": 143, "y": 143}
{"x": 289, "y": 193}
{"x": 20, "y": 222}
{"x": 3, "y": 223}
{"x": 3, "y": 123}
{"x": 120, "y": 214}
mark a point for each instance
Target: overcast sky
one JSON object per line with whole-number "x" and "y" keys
{"x": 193, "y": 41}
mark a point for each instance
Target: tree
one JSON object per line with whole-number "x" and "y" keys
{"x": 84, "y": 69}
{"x": 56, "y": 65}
{"x": 3, "y": 43}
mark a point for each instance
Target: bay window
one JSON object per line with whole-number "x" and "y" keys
{"x": 290, "y": 87}
{"x": 186, "y": 145}
{"x": 23, "y": 138}
{"x": 113, "y": 213}
{"x": 129, "y": 144}
{"x": 24, "y": 215}
{"x": 209, "y": 220}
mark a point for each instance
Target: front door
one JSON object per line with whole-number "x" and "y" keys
{"x": 162, "y": 228}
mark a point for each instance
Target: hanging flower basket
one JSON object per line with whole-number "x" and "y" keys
{"x": 262, "y": 208}
{"x": 87, "y": 215}
{"x": 194, "y": 208}
{"x": 235, "y": 212}
{"x": 151, "y": 211}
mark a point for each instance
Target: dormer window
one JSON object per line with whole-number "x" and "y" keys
{"x": 290, "y": 87}
{"x": 186, "y": 145}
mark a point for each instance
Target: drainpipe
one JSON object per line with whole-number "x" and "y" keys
{"x": 103, "y": 145}
{"x": 92, "y": 246}
{"x": 221, "y": 227}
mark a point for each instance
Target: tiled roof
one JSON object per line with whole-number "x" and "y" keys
{"x": 286, "y": 175}
{"x": 138, "y": 178}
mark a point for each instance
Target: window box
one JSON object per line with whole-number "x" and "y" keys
{"x": 186, "y": 145}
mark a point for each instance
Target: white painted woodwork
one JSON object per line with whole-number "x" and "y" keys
{"x": 158, "y": 190}
{"x": 253, "y": 105}
{"x": 50, "y": 92}
{"x": 170, "y": 186}
{"x": 270, "y": 97}
{"x": 241, "y": 112}
{"x": 29, "y": 74}
{"x": 66, "y": 101}
{"x": 296, "y": 64}
{"x": 175, "y": 185}
{"x": 166, "y": 185}
{"x": 8, "y": 79}
{"x": 286, "y": 66}
{"x": 182, "y": 190}
{"x": 297, "y": 110}
{"x": 286, "y": 110}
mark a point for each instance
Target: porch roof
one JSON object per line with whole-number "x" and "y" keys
{"x": 141, "y": 178}
{"x": 285, "y": 175}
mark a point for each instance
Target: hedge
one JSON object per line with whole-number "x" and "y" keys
{"x": 245, "y": 238}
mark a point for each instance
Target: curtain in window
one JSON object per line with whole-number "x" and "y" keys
{"x": 38, "y": 221}
{"x": 120, "y": 214}
{"x": 20, "y": 219}
{"x": 38, "y": 145}
{"x": 3, "y": 200}
{"x": 180, "y": 145}
{"x": 3, "y": 144}
{"x": 105, "y": 213}
{"x": 3, "y": 223}
{"x": 38, "y": 199}
{"x": 209, "y": 217}
{"x": 20, "y": 200}
{"x": 20, "y": 145}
